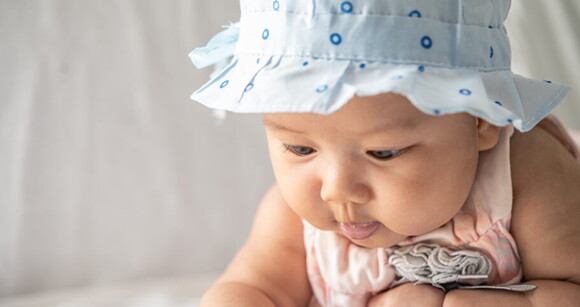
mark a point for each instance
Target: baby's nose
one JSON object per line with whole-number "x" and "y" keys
{"x": 344, "y": 183}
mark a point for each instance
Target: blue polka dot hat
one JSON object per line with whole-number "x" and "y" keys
{"x": 445, "y": 56}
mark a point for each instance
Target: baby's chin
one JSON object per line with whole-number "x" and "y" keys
{"x": 383, "y": 238}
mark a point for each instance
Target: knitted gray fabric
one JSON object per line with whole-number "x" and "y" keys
{"x": 429, "y": 263}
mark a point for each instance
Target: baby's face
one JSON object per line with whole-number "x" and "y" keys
{"x": 377, "y": 171}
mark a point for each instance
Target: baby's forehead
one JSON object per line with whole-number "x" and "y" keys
{"x": 364, "y": 115}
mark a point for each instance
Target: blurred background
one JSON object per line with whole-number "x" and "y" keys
{"x": 115, "y": 188}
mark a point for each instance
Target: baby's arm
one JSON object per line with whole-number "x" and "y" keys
{"x": 270, "y": 269}
{"x": 409, "y": 295}
{"x": 545, "y": 225}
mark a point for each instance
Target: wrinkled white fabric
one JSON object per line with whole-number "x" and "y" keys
{"x": 433, "y": 264}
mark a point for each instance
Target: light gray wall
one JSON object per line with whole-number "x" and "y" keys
{"x": 107, "y": 170}
{"x": 545, "y": 40}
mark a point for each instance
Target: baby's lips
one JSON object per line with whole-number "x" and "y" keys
{"x": 359, "y": 231}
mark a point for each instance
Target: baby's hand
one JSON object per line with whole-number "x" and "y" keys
{"x": 409, "y": 295}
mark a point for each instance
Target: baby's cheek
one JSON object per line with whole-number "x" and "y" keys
{"x": 420, "y": 219}
{"x": 303, "y": 196}
{"x": 415, "y": 207}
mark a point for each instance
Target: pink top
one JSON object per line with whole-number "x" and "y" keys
{"x": 344, "y": 274}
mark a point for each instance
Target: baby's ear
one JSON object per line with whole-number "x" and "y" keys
{"x": 487, "y": 133}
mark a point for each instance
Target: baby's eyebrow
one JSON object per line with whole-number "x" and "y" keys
{"x": 405, "y": 124}
{"x": 277, "y": 127}
{"x": 381, "y": 128}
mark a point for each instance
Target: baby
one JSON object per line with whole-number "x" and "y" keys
{"x": 400, "y": 180}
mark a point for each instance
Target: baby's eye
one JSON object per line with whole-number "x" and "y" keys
{"x": 385, "y": 154}
{"x": 299, "y": 150}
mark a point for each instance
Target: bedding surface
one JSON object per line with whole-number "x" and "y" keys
{"x": 170, "y": 292}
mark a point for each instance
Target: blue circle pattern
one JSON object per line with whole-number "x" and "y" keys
{"x": 465, "y": 92}
{"x": 346, "y": 7}
{"x": 322, "y": 89}
{"x": 426, "y": 42}
{"x": 415, "y": 13}
{"x": 437, "y": 112}
{"x": 265, "y": 34}
{"x": 335, "y": 38}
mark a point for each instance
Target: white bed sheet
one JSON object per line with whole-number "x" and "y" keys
{"x": 170, "y": 292}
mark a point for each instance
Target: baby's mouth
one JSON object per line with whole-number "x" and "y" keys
{"x": 359, "y": 231}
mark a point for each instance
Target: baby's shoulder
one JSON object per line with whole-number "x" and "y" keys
{"x": 542, "y": 166}
{"x": 546, "y": 207}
